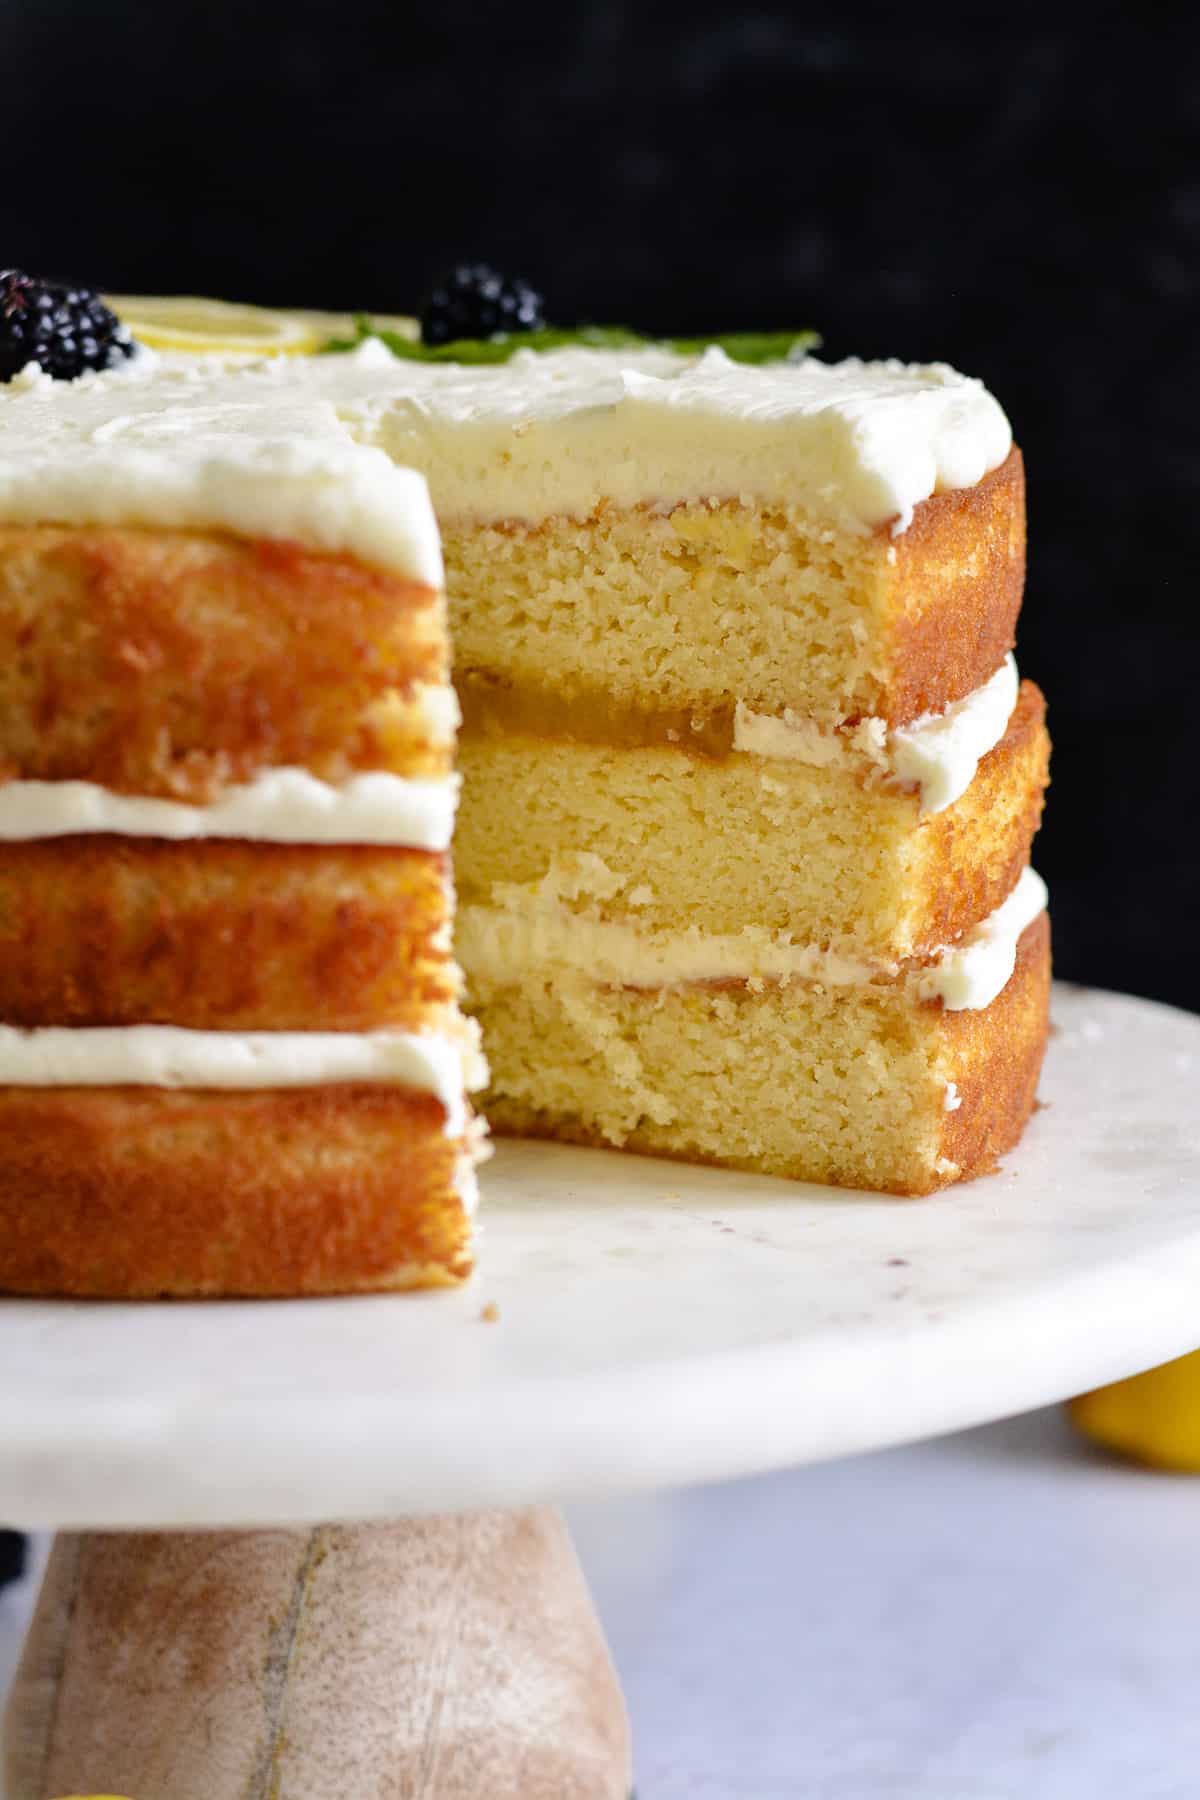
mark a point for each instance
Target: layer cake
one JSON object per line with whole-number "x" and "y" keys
{"x": 750, "y": 783}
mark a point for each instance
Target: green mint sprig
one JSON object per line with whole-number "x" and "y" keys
{"x": 752, "y": 346}
{"x": 739, "y": 346}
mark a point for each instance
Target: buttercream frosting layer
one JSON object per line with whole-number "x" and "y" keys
{"x": 170, "y": 1056}
{"x": 194, "y": 443}
{"x": 528, "y": 932}
{"x": 938, "y": 753}
{"x": 969, "y": 975}
{"x": 322, "y": 449}
{"x": 564, "y": 431}
{"x": 280, "y": 806}
{"x": 523, "y": 935}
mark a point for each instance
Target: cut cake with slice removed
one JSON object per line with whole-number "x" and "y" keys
{"x": 749, "y": 779}
{"x": 748, "y": 770}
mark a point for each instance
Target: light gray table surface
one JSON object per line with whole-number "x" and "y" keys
{"x": 998, "y": 1615}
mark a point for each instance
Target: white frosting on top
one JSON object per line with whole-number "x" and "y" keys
{"x": 194, "y": 443}
{"x": 560, "y": 431}
{"x": 169, "y": 1056}
{"x": 321, "y": 449}
{"x": 938, "y": 753}
{"x": 527, "y": 929}
{"x": 279, "y": 806}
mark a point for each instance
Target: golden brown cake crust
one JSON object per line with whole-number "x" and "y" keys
{"x": 222, "y": 936}
{"x": 997, "y": 1055}
{"x": 146, "y": 1193}
{"x": 171, "y": 662}
{"x": 960, "y": 575}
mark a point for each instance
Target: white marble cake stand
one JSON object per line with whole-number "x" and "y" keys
{"x": 636, "y": 1323}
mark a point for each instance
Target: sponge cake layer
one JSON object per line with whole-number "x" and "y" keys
{"x": 172, "y": 663}
{"x": 140, "y": 1193}
{"x": 867, "y": 1087}
{"x": 669, "y": 841}
{"x": 223, "y": 936}
{"x": 696, "y": 604}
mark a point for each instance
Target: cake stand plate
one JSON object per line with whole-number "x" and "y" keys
{"x": 638, "y": 1323}
{"x": 635, "y": 1323}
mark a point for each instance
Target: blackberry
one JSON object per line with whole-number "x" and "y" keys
{"x": 474, "y": 301}
{"x": 65, "y": 330}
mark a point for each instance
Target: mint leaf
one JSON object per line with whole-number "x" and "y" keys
{"x": 739, "y": 346}
{"x": 753, "y": 346}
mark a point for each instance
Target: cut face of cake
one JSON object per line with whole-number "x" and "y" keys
{"x": 231, "y": 1055}
{"x": 749, "y": 786}
{"x": 750, "y": 780}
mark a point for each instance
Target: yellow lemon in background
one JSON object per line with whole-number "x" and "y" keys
{"x": 1154, "y": 1418}
{"x": 225, "y": 327}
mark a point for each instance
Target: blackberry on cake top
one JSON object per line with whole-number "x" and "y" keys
{"x": 476, "y": 301}
{"x": 65, "y": 330}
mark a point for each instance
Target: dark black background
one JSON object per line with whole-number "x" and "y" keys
{"x": 1013, "y": 189}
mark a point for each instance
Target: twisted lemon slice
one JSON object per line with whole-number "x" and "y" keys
{"x": 1154, "y": 1418}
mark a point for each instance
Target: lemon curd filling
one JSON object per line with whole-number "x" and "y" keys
{"x": 938, "y": 753}
{"x": 494, "y": 708}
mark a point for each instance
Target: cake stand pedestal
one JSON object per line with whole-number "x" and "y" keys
{"x": 449, "y": 1657}
{"x": 635, "y": 1324}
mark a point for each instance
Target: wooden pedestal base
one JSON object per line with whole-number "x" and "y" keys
{"x": 435, "y": 1659}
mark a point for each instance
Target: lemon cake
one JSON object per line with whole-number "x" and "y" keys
{"x": 749, "y": 787}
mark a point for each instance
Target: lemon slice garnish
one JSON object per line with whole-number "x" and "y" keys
{"x": 1154, "y": 1418}
{"x": 216, "y": 326}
